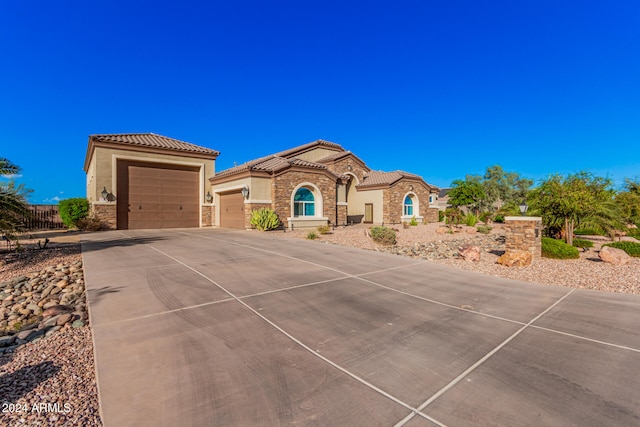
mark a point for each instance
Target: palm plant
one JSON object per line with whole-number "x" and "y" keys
{"x": 13, "y": 205}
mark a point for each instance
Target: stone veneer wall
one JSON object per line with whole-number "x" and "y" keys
{"x": 524, "y": 233}
{"x": 394, "y": 200}
{"x": 282, "y": 188}
{"x": 107, "y": 213}
{"x": 342, "y": 215}
{"x": 207, "y": 215}
{"x": 432, "y": 215}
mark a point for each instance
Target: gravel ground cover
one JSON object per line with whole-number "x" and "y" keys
{"x": 423, "y": 241}
{"x": 49, "y": 381}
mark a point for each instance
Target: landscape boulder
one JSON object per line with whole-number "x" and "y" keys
{"x": 469, "y": 252}
{"x": 614, "y": 256}
{"x": 515, "y": 258}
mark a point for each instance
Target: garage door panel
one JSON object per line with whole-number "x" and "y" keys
{"x": 232, "y": 210}
{"x": 155, "y": 195}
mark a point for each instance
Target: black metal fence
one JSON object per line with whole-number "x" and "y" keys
{"x": 44, "y": 217}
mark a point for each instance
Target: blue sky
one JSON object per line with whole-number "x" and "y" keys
{"x": 438, "y": 88}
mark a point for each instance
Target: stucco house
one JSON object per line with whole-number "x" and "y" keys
{"x": 162, "y": 183}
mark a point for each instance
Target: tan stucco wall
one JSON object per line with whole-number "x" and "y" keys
{"x": 103, "y": 165}
{"x": 259, "y": 193}
{"x": 315, "y": 154}
{"x": 359, "y": 198}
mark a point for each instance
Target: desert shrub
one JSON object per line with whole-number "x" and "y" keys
{"x": 484, "y": 229}
{"x": 633, "y": 232}
{"x": 383, "y": 235}
{"x": 91, "y": 224}
{"x": 558, "y": 249}
{"x": 264, "y": 219}
{"x": 499, "y": 218}
{"x": 312, "y": 235}
{"x": 470, "y": 219}
{"x": 631, "y": 248}
{"x": 413, "y": 221}
{"x": 485, "y": 217}
{"x": 324, "y": 229}
{"x": 440, "y": 216}
{"x": 582, "y": 243}
{"x": 73, "y": 210}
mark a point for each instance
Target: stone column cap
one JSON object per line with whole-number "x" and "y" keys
{"x": 523, "y": 218}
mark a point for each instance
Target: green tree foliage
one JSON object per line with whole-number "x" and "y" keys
{"x": 578, "y": 200}
{"x": 73, "y": 210}
{"x": 468, "y": 193}
{"x": 13, "y": 200}
{"x": 628, "y": 202}
{"x": 503, "y": 188}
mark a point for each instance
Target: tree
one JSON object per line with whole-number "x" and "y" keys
{"x": 13, "y": 203}
{"x": 467, "y": 193}
{"x": 578, "y": 200}
{"x": 628, "y": 202}
{"x": 503, "y": 188}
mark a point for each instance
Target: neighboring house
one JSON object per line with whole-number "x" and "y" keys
{"x": 319, "y": 183}
{"x": 442, "y": 199}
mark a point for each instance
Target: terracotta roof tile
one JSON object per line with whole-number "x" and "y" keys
{"x": 374, "y": 178}
{"x": 152, "y": 140}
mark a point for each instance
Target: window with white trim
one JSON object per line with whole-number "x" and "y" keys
{"x": 304, "y": 203}
{"x": 408, "y": 206}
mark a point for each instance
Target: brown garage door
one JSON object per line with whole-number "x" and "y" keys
{"x": 157, "y": 196}
{"x": 232, "y": 210}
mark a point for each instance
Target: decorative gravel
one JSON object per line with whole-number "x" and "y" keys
{"x": 50, "y": 381}
{"x": 588, "y": 272}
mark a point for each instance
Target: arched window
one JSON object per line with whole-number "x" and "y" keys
{"x": 304, "y": 203}
{"x": 408, "y": 206}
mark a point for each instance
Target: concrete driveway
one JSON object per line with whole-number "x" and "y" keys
{"x": 231, "y": 328}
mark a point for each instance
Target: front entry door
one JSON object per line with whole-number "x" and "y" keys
{"x": 368, "y": 213}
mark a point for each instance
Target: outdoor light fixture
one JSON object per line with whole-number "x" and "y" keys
{"x": 523, "y": 207}
{"x": 209, "y": 197}
{"x": 104, "y": 193}
{"x": 245, "y": 192}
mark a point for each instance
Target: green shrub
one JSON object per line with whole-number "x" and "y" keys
{"x": 485, "y": 217}
{"x": 264, "y": 219}
{"x": 470, "y": 219}
{"x": 634, "y": 232}
{"x": 73, "y": 210}
{"x": 558, "y": 249}
{"x": 582, "y": 243}
{"x": 312, "y": 235}
{"x": 631, "y": 248}
{"x": 440, "y": 216}
{"x": 324, "y": 229}
{"x": 413, "y": 221}
{"x": 499, "y": 218}
{"x": 484, "y": 229}
{"x": 383, "y": 235}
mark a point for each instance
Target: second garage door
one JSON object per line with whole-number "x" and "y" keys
{"x": 157, "y": 196}
{"x": 232, "y": 210}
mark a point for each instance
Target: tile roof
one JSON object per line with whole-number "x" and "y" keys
{"x": 334, "y": 156}
{"x": 374, "y": 178}
{"x": 281, "y": 160}
{"x": 152, "y": 140}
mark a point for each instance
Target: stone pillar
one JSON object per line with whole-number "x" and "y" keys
{"x": 105, "y": 212}
{"x": 207, "y": 215}
{"x": 524, "y": 233}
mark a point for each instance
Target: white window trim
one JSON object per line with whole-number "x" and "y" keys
{"x": 415, "y": 204}
{"x": 317, "y": 199}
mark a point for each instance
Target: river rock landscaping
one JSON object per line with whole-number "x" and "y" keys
{"x": 47, "y": 374}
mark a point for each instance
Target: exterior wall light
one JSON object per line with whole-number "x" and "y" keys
{"x": 104, "y": 193}
{"x": 523, "y": 208}
{"x": 245, "y": 192}
{"x": 208, "y": 197}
